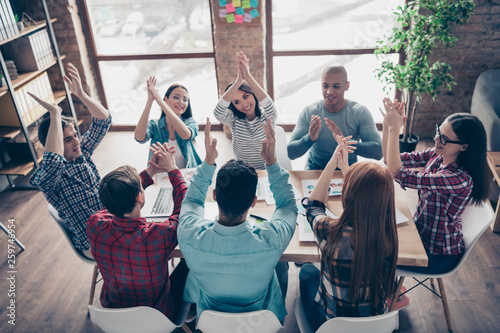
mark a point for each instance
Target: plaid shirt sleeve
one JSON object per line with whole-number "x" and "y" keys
{"x": 416, "y": 159}
{"x": 146, "y": 179}
{"x": 317, "y": 218}
{"x": 98, "y": 129}
{"x": 48, "y": 174}
{"x": 448, "y": 182}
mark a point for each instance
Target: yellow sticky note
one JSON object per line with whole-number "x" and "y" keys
{"x": 237, "y": 3}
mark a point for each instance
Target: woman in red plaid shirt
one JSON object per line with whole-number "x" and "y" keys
{"x": 455, "y": 174}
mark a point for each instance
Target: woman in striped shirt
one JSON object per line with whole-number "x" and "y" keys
{"x": 239, "y": 108}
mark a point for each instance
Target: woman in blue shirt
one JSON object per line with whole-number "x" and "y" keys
{"x": 176, "y": 125}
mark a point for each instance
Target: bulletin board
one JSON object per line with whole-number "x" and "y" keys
{"x": 239, "y": 11}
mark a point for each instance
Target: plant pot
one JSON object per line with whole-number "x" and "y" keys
{"x": 408, "y": 146}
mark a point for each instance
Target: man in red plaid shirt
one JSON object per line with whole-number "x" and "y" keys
{"x": 131, "y": 253}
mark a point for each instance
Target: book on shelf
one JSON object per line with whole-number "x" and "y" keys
{"x": 8, "y": 20}
{"x": 31, "y": 52}
{"x": 27, "y": 108}
{"x": 12, "y": 69}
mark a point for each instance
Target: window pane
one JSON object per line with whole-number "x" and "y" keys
{"x": 125, "y": 86}
{"x": 297, "y": 88}
{"x": 150, "y": 27}
{"x": 327, "y": 24}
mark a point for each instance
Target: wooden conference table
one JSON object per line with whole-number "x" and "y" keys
{"x": 411, "y": 250}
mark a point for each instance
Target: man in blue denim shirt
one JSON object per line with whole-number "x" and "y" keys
{"x": 231, "y": 262}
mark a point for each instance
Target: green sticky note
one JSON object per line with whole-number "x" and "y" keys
{"x": 245, "y": 4}
{"x": 230, "y": 18}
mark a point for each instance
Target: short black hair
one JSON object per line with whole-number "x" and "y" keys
{"x": 235, "y": 188}
{"x": 118, "y": 190}
{"x": 246, "y": 88}
{"x": 43, "y": 128}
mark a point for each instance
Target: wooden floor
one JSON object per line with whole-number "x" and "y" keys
{"x": 52, "y": 284}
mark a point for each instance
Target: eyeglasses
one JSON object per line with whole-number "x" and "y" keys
{"x": 444, "y": 139}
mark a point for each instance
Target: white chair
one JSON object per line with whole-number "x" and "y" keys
{"x": 263, "y": 321}
{"x": 385, "y": 323}
{"x": 476, "y": 219}
{"x": 142, "y": 319}
{"x": 79, "y": 254}
{"x": 281, "y": 151}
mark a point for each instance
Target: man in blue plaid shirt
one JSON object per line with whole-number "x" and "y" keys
{"x": 68, "y": 177}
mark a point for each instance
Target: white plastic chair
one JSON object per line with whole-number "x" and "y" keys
{"x": 263, "y": 321}
{"x": 60, "y": 223}
{"x": 281, "y": 150}
{"x": 385, "y": 323}
{"x": 476, "y": 219}
{"x": 142, "y": 319}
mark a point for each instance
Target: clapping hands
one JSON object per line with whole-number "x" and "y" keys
{"x": 162, "y": 159}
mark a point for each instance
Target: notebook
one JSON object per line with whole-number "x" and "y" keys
{"x": 159, "y": 202}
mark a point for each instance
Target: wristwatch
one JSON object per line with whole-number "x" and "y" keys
{"x": 306, "y": 203}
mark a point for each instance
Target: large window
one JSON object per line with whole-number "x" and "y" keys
{"x": 135, "y": 39}
{"x": 307, "y": 36}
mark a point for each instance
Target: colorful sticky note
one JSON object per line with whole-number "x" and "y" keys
{"x": 230, "y": 18}
{"x": 236, "y": 3}
{"x": 240, "y": 11}
{"x": 222, "y": 3}
{"x": 245, "y": 4}
{"x": 230, "y": 8}
{"x": 247, "y": 17}
{"x": 254, "y": 3}
{"x": 238, "y": 18}
{"x": 254, "y": 13}
{"x": 222, "y": 12}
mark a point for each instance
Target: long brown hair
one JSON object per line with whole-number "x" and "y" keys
{"x": 369, "y": 209}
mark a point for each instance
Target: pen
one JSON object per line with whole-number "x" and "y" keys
{"x": 258, "y": 217}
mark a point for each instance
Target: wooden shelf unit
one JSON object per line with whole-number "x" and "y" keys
{"x": 23, "y": 166}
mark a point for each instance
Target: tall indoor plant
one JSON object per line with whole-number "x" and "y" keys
{"x": 422, "y": 26}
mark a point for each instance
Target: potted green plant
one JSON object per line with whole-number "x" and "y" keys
{"x": 422, "y": 26}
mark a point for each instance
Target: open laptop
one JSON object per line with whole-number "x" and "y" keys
{"x": 159, "y": 202}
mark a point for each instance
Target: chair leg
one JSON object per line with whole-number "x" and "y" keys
{"x": 92, "y": 285}
{"x": 186, "y": 328}
{"x": 444, "y": 300}
{"x": 397, "y": 292}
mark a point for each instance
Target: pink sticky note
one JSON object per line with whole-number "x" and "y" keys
{"x": 238, "y": 18}
{"x": 230, "y": 8}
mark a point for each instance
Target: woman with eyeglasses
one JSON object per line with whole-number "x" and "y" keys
{"x": 454, "y": 175}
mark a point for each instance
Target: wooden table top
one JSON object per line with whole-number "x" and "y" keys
{"x": 411, "y": 250}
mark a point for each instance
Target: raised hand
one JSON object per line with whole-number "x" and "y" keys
{"x": 393, "y": 117}
{"x": 269, "y": 143}
{"x": 74, "y": 81}
{"x": 333, "y": 127}
{"x": 314, "y": 127}
{"x": 243, "y": 64}
{"x": 53, "y": 109}
{"x": 163, "y": 159}
{"x": 152, "y": 91}
{"x": 344, "y": 147}
{"x": 210, "y": 145}
{"x": 151, "y": 81}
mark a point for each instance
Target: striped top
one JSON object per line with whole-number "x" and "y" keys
{"x": 247, "y": 135}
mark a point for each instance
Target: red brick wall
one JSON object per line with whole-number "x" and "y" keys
{"x": 231, "y": 38}
{"x": 477, "y": 50}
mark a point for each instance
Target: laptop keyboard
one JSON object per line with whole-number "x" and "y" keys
{"x": 164, "y": 203}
